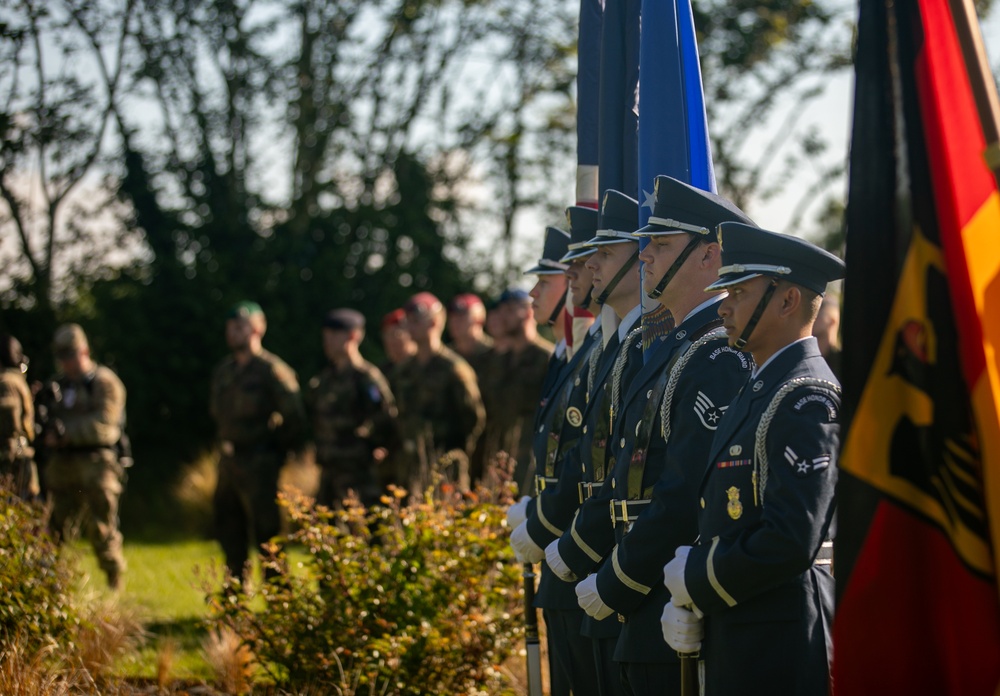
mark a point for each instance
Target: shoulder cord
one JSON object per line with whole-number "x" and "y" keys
{"x": 616, "y": 374}
{"x": 595, "y": 359}
{"x": 760, "y": 466}
{"x": 675, "y": 375}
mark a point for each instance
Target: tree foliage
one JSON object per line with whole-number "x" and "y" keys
{"x": 163, "y": 159}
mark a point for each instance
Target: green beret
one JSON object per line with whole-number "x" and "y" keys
{"x": 244, "y": 310}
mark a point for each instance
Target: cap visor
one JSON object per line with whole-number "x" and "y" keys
{"x": 577, "y": 254}
{"x": 730, "y": 279}
{"x": 601, "y": 240}
{"x": 543, "y": 270}
{"x": 656, "y": 231}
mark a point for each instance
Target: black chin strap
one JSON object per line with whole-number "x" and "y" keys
{"x": 610, "y": 287}
{"x": 555, "y": 312}
{"x": 587, "y": 300}
{"x": 752, "y": 324}
{"x": 672, "y": 271}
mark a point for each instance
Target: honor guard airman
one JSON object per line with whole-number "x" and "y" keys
{"x": 616, "y": 282}
{"x": 759, "y": 574}
{"x": 558, "y": 428}
{"x": 669, "y": 415}
{"x": 549, "y": 427}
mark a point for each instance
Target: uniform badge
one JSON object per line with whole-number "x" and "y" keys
{"x": 758, "y": 385}
{"x": 804, "y": 465}
{"x": 735, "y": 450}
{"x": 734, "y": 507}
{"x": 708, "y": 413}
{"x": 574, "y": 417}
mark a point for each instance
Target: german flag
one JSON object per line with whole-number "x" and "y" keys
{"x": 919, "y": 493}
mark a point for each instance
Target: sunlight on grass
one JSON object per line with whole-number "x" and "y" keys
{"x": 164, "y": 586}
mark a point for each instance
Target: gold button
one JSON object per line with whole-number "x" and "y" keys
{"x": 702, "y": 503}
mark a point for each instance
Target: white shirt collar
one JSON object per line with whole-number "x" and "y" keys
{"x": 560, "y": 348}
{"x": 710, "y": 301}
{"x": 757, "y": 370}
{"x": 628, "y": 322}
{"x": 595, "y": 327}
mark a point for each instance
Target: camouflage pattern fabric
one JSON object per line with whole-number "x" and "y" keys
{"x": 260, "y": 417}
{"x": 441, "y": 416}
{"x": 352, "y": 412}
{"x": 84, "y": 474}
{"x": 17, "y": 431}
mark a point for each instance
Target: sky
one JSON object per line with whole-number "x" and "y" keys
{"x": 833, "y": 113}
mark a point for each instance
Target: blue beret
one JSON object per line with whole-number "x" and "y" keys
{"x": 343, "y": 320}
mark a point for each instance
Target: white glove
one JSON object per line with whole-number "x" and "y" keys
{"x": 673, "y": 577}
{"x": 682, "y": 630}
{"x": 517, "y": 513}
{"x": 557, "y": 564}
{"x": 590, "y": 600}
{"x": 525, "y": 549}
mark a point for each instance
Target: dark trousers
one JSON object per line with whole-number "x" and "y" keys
{"x": 246, "y": 507}
{"x": 609, "y": 673}
{"x": 570, "y": 653}
{"x": 651, "y": 679}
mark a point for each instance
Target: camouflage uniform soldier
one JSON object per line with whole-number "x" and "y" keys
{"x": 257, "y": 407}
{"x": 84, "y": 474}
{"x": 352, "y": 411}
{"x": 396, "y": 341}
{"x": 466, "y": 317}
{"x": 17, "y": 420}
{"x": 524, "y": 367}
{"x": 441, "y": 413}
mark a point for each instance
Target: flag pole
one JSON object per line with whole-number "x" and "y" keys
{"x": 984, "y": 90}
{"x": 531, "y": 647}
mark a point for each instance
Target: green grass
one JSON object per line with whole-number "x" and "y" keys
{"x": 163, "y": 587}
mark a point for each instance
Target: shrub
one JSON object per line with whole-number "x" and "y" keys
{"x": 36, "y": 609}
{"x": 396, "y": 600}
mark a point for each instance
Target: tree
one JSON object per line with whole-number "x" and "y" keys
{"x": 53, "y": 123}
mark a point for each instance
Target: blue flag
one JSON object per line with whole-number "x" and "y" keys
{"x": 588, "y": 99}
{"x": 618, "y": 144}
{"x": 673, "y": 126}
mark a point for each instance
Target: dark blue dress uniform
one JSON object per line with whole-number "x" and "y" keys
{"x": 767, "y": 499}
{"x": 658, "y": 480}
{"x": 554, "y": 507}
{"x": 768, "y": 608}
{"x": 569, "y": 651}
{"x": 566, "y": 665}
